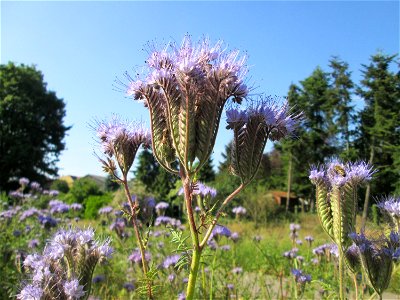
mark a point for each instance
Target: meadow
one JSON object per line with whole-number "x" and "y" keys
{"x": 248, "y": 261}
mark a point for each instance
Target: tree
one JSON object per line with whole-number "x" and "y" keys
{"x": 31, "y": 125}
{"x": 341, "y": 92}
{"x": 155, "y": 179}
{"x": 379, "y": 141}
{"x": 83, "y": 188}
{"x": 207, "y": 173}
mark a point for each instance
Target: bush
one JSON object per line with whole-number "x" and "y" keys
{"x": 94, "y": 202}
{"x": 60, "y": 185}
{"x": 83, "y": 188}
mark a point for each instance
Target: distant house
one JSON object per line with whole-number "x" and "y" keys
{"x": 280, "y": 198}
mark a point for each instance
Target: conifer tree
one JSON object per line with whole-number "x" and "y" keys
{"x": 379, "y": 141}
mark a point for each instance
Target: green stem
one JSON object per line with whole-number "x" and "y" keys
{"x": 341, "y": 276}
{"x": 212, "y": 275}
{"x": 133, "y": 207}
{"x": 194, "y": 269}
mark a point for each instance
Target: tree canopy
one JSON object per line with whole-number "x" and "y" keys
{"x": 31, "y": 125}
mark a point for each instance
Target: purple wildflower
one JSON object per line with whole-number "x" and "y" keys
{"x": 309, "y": 239}
{"x": 136, "y": 257}
{"x": 129, "y": 286}
{"x": 235, "y": 237}
{"x": 47, "y": 221}
{"x": 220, "y": 230}
{"x": 28, "y": 213}
{"x": 76, "y": 206}
{"x": 35, "y": 186}
{"x": 121, "y": 139}
{"x": 225, "y": 247}
{"x": 300, "y": 277}
{"x": 171, "y": 277}
{"x": 391, "y": 206}
{"x": 98, "y": 278}
{"x": 30, "y": 292}
{"x": 317, "y": 175}
{"x": 33, "y": 243}
{"x": 23, "y": 181}
{"x": 105, "y": 210}
{"x": 170, "y": 261}
{"x": 239, "y": 210}
{"x": 291, "y": 253}
{"x": 73, "y": 289}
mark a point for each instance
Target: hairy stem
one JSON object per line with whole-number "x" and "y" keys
{"x": 341, "y": 276}
{"x": 355, "y": 285}
{"x": 133, "y": 206}
{"x": 194, "y": 267}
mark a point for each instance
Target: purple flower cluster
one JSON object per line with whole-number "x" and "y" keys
{"x": 161, "y": 207}
{"x": 300, "y": 277}
{"x": 121, "y": 139}
{"x": 163, "y": 220}
{"x": 136, "y": 257}
{"x": 57, "y": 206}
{"x": 105, "y": 210}
{"x": 336, "y": 173}
{"x": 291, "y": 253}
{"x": 171, "y": 261}
{"x": 197, "y": 67}
{"x": 277, "y": 120}
{"x": 239, "y": 211}
{"x": 220, "y": 231}
{"x": 201, "y": 190}
{"x": 391, "y": 206}
{"x": 68, "y": 250}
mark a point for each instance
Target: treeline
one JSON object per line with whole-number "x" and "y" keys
{"x": 332, "y": 127}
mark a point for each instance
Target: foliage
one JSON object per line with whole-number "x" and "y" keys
{"x": 31, "y": 125}
{"x": 82, "y": 188}
{"x": 156, "y": 179}
{"x": 60, "y": 185}
{"x": 93, "y": 203}
{"x": 379, "y": 141}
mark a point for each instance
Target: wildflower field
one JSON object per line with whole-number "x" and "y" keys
{"x": 200, "y": 240}
{"x": 242, "y": 261}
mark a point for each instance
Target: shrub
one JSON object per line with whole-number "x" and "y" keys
{"x": 83, "y": 188}
{"x": 94, "y": 202}
{"x": 60, "y": 185}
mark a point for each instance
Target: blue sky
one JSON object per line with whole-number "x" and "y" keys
{"x": 81, "y": 47}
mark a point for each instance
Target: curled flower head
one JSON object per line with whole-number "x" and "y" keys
{"x": 317, "y": 175}
{"x": 377, "y": 257}
{"x": 189, "y": 82}
{"x": 263, "y": 120}
{"x": 121, "y": 139}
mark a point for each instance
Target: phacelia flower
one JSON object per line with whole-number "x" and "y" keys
{"x": 192, "y": 82}
{"x": 73, "y": 289}
{"x": 121, "y": 140}
{"x": 300, "y": 277}
{"x": 30, "y": 292}
{"x": 171, "y": 261}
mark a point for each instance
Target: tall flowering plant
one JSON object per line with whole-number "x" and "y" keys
{"x": 336, "y": 198}
{"x": 120, "y": 140}
{"x": 186, "y": 88}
